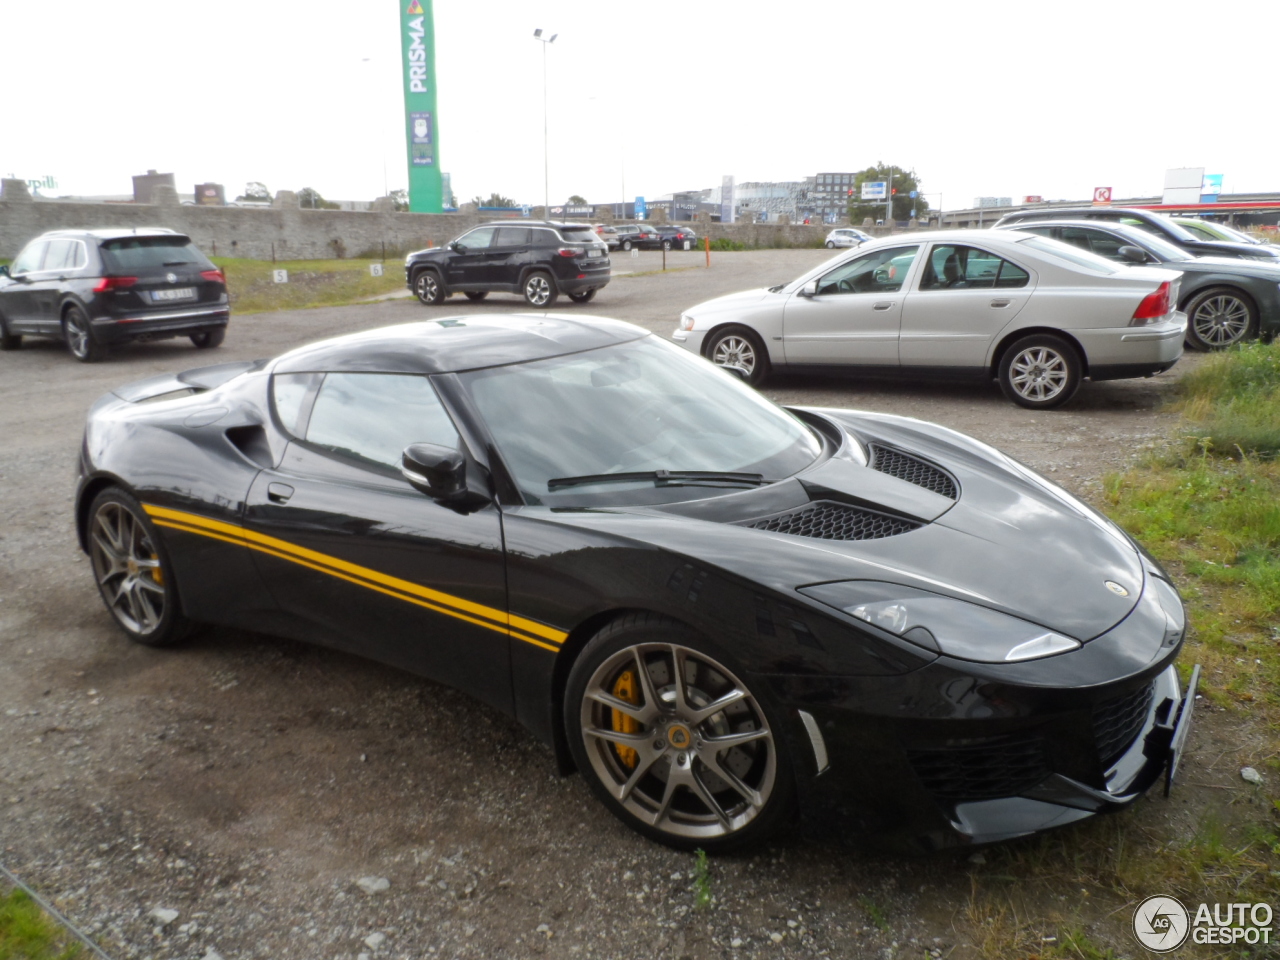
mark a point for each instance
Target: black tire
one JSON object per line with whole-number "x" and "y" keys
{"x": 831, "y": 245}
{"x": 585, "y": 297}
{"x": 626, "y": 244}
{"x": 681, "y": 790}
{"x": 1220, "y": 317}
{"x": 133, "y": 570}
{"x": 666, "y": 244}
{"x": 539, "y": 289}
{"x": 740, "y": 347}
{"x": 477, "y": 294}
{"x": 428, "y": 287}
{"x": 77, "y": 333}
{"x": 1040, "y": 372}
{"x": 208, "y": 339}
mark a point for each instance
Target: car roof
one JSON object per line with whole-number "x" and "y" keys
{"x": 454, "y": 344}
{"x": 114, "y": 233}
{"x": 1090, "y": 224}
{"x": 521, "y": 222}
{"x": 1056, "y": 212}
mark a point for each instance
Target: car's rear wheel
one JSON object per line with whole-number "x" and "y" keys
{"x": 208, "y": 339}
{"x": 428, "y": 288}
{"x": 673, "y": 741}
{"x": 584, "y": 297}
{"x": 477, "y": 294}
{"x": 626, "y": 244}
{"x": 539, "y": 289}
{"x": 1219, "y": 317}
{"x": 1040, "y": 372}
{"x": 741, "y": 348}
{"x": 78, "y": 333}
{"x": 133, "y": 571}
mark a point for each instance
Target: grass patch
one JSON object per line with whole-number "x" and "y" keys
{"x": 1232, "y": 402}
{"x": 312, "y": 283}
{"x": 701, "y": 880}
{"x": 26, "y": 933}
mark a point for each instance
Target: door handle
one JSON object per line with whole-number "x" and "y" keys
{"x": 884, "y": 305}
{"x": 1001, "y": 303}
{"x": 279, "y": 492}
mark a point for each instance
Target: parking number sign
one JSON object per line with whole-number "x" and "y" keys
{"x": 375, "y": 269}
{"x": 1101, "y": 194}
{"x": 280, "y": 276}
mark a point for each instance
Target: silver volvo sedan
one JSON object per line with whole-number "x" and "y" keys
{"x": 1033, "y": 313}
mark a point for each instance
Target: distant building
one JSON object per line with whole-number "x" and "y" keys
{"x": 829, "y": 195}
{"x": 981, "y": 202}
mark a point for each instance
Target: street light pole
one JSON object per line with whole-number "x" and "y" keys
{"x": 546, "y": 176}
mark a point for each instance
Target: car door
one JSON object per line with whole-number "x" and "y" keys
{"x": 368, "y": 562}
{"x": 469, "y": 258}
{"x": 17, "y": 305}
{"x": 965, "y": 296}
{"x": 49, "y": 284}
{"x": 853, "y": 313}
{"x": 508, "y": 255}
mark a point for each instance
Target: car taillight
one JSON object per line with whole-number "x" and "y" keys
{"x": 570, "y": 252}
{"x": 1153, "y": 306}
{"x": 114, "y": 283}
{"x": 214, "y": 276}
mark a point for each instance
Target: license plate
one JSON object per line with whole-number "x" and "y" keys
{"x": 1180, "y": 731}
{"x": 593, "y": 252}
{"x": 173, "y": 293}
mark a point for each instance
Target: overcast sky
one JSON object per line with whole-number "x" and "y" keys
{"x": 990, "y": 98}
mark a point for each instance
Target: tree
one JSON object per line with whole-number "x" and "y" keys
{"x": 495, "y": 200}
{"x": 258, "y": 192}
{"x": 578, "y": 201}
{"x": 904, "y": 182}
{"x": 309, "y": 198}
{"x": 400, "y": 199}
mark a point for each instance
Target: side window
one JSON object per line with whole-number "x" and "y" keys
{"x": 1095, "y": 241}
{"x": 954, "y": 267}
{"x": 545, "y": 238}
{"x": 372, "y": 417}
{"x": 79, "y": 256}
{"x": 292, "y": 394}
{"x": 57, "y": 255}
{"x": 29, "y": 259}
{"x": 478, "y": 239}
{"x": 512, "y": 237}
{"x": 880, "y": 272}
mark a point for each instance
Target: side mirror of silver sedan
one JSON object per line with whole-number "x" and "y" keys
{"x": 810, "y": 289}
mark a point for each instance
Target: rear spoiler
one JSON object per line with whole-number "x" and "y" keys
{"x": 189, "y": 381}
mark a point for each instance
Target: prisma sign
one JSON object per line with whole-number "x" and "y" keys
{"x": 422, "y": 133}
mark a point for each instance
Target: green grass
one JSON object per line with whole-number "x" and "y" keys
{"x": 701, "y": 881}
{"x": 1232, "y": 401}
{"x": 27, "y": 934}
{"x": 312, "y": 283}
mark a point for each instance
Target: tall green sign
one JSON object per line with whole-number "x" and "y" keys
{"x": 422, "y": 129}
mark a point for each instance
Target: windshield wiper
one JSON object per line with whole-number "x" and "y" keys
{"x": 665, "y": 478}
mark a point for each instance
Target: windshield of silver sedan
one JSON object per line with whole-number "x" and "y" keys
{"x": 637, "y": 422}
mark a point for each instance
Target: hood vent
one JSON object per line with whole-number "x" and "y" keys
{"x": 913, "y": 470}
{"x": 828, "y": 520}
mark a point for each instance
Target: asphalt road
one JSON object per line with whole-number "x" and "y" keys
{"x": 248, "y": 782}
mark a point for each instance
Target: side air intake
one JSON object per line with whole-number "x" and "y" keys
{"x": 913, "y": 470}
{"x": 828, "y": 520}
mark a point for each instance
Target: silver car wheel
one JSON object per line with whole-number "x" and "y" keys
{"x": 735, "y": 351}
{"x": 537, "y": 290}
{"x": 678, "y": 740}
{"x": 1221, "y": 321}
{"x": 1039, "y": 373}
{"x": 127, "y": 568}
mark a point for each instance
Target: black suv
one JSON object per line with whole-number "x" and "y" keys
{"x": 537, "y": 258}
{"x": 95, "y": 288}
{"x": 674, "y": 237}
{"x": 1155, "y": 223}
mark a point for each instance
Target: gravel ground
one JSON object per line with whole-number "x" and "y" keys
{"x": 248, "y": 783}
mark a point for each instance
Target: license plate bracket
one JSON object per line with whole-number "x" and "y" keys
{"x": 1181, "y": 729}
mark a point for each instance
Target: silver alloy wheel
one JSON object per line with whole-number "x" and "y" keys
{"x": 127, "y": 568}
{"x": 78, "y": 335}
{"x": 1221, "y": 321}
{"x": 427, "y": 287}
{"x": 735, "y": 351}
{"x": 678, "y": 740}
{"x": 1039, "y": 373}
{"x": 537, "y": 290}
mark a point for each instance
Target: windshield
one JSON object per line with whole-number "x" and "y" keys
{"x": 141, "y": 253}
{"x": 628, "y": 408}
{"x": 1176, "y": 229}
{"x": 1072, "y": 255}
{"x": 578, "y": 235}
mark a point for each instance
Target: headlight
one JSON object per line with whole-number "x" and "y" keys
{"x": 942, "y": 624}
{"x": 686, "y": 322}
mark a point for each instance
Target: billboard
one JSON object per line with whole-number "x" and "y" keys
{"x": 875, "y": 190}
{"x": 1182, "y": 185}
{"x": 210, "y": 195}
{"x": 1211, "y": 188}
{"x": 422, "y": 124}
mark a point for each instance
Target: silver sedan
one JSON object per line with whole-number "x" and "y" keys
{"x": 1033, "y": 313}
{"x": 846, "y": 237}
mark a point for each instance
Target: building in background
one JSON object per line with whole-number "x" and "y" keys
{"x": 145, "y": 184}
{"x": 982, "y": 202}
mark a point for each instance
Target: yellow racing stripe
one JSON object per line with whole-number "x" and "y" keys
{"x": 490, "y": 618}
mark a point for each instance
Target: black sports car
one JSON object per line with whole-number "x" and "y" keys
{"x": 718, "y": 610}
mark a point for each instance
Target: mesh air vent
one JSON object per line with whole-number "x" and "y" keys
{"x": 1118, "y": 721}
{"x": 913, "y": 470}
{"x": 828, "y": 520}
{"x": 981, "y": 771}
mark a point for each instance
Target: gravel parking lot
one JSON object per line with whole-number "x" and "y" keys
{"x": 248, "y": 783}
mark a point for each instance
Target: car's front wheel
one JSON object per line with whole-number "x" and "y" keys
{"x": 673, "y": 741}
{"x": 740, "y": 348}
{"x": 831, "y": 244}
{"x": 428, "y": 288}
{"x": 626, "y": 244}
{"x": 78, "y": 333}
{"x": 584, "y": 297}
{"x": 539, "y": 289}
{"x": 1220, "y": 317}
{"x": 133, "y": 571}
{"x": 477, "y": 294}
{"x": 1040, "y": 372}
{"x": 208, "y": 339}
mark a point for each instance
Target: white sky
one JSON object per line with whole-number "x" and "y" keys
{"x": 992, "y": 98}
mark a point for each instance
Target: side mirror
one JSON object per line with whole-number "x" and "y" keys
{"x": 455, "y": 246}
{"x": 1132, "y": 254}
{"x": 4, "y": 270}
{"x": 439, "y": 472}
{"x": 810, "y": 289}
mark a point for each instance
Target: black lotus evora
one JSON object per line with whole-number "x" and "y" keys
{"x": 718, "y": 610}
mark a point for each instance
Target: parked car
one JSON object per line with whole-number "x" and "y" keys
{"x": 1035, "y": 314}
{"x": 1208, "y": 230}
{"x": 608, "y": 234}
{"x": 539, "y": 259}
{"x": 1152, "y": 222}
{"x": 1225, "y": 300}
{"x": 846, "y": 237}
{"x": 641, "y": 236}
{"x": 674, "y": 236}
{"x": 93, "y": 289}
{"x": 726, "y": 615}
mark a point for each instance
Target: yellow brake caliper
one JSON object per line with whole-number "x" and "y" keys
{"x": 156, "y": 575}
{"x": 624, "y": 688}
